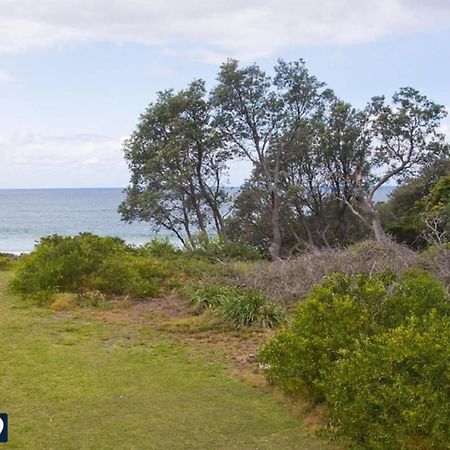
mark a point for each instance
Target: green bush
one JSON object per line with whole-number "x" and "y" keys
{"x": 87, "y": 262}
{"x": 236, "y": 306}
{"x": 5, "y": 262}
{"x": 413, "y": 294}
{"x": 394, "y": 390}
{"x": 328, "y": 322}
{"x": 336, "y": 316}
{"x": 161, "y": 248}
{"x": 220, "y": 249}
{"x": 130, "y": 274}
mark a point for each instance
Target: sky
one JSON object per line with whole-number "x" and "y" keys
{"x": 76, "y": 74}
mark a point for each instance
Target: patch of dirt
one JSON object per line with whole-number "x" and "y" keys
{"x": 146, "y": 311}
{"x": 205, "y": 333}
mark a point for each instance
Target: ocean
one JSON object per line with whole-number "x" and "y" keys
{"x": 28, "y": 214}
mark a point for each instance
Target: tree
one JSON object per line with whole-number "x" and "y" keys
{"x": 177, "y": 165}
{"x": 403, "y": 214}
{"x": 259, "y": 116}
{"x": 404, "y": 138}
{"x": 317, "y": 171}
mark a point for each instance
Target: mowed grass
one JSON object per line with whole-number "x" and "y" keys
{"x": 69, "y": 381}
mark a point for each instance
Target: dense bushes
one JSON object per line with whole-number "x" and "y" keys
{"x": 365, "y": 345}
{"x": 394, "y": 391}
{"x": 87, "y": 263}
{"x": 236, "y": 306}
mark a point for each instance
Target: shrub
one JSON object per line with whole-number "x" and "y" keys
{"x": 236, "y": 306}
{"x": 5, "y": 262}
{"x": 336, "y": 316}
{"x": 394, "y": 391}
{"x": 220, "y": 249}
{"x": 327, "y": 323}
{"x": 413, "y": 294}
{"x": 161, "y": 248}
{"x": 130, "y": 274}
{"x": 87, "y": 262}
{"x": 64, "y": 263}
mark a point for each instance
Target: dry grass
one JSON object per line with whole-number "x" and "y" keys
{"x": 292, "y": 280}
{"x": 437, "y": 261}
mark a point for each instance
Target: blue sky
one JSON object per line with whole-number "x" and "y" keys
{"x": 75, "y": 74}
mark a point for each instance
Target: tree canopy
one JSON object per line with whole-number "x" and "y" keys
{"x": 318, "y": 162}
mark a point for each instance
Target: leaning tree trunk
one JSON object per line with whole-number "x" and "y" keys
{"x": 368, "y": 208}
{"x": 372, "y": 213}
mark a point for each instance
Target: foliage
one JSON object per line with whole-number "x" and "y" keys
{"x": 336, "y": 316}
{"x": 177, "y": 164}
{"x": 87, "y": 262}
{"x": 206, "y": 296}
{"x": 221, "y": 249}
{"x": 258, "y": 115}
{"x": 317, "y": 162}
{"x": 414, "y": 203}
{"x": 413, "y": 294}
{"x": 5, "y": 261}
{"x": 329, "y": 321}
{"x": 251, "y": 308}
{"x": 394, "y": 390}
{"x": 437, "y": 214}
{"x": 160, "y": 248}
{"x": 236, "y": 306}
{"x": 130, "y": 274}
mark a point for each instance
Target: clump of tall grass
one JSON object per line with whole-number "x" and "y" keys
{"x": 239, "y": 307}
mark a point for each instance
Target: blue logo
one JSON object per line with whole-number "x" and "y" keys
{"x": 3, "y": 427}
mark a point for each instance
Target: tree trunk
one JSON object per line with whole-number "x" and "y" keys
{"x": 275, "y": 246}
{"x": 372, "y": 213}
{"x": 369, "y": 210}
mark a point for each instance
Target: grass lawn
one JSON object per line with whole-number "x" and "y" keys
{"x": 69, "y": 381}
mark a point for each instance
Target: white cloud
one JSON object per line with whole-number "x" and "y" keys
{"x": 213, "y": 28}
{"x": 5, "y": 77}
{"x": 62, "y": 161}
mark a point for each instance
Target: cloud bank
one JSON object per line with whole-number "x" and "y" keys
{"x": 33, "y": 160}
{"x": 250, "y": 29}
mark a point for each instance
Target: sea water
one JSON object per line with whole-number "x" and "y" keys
{"x": 28, "y": 214}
